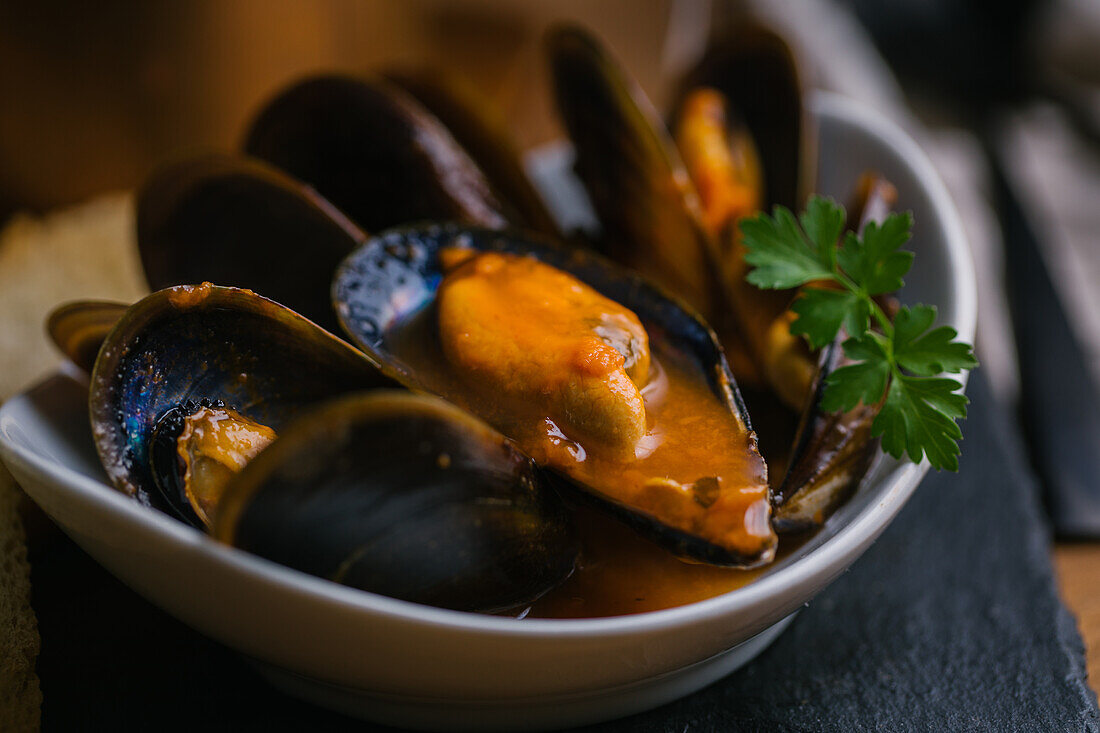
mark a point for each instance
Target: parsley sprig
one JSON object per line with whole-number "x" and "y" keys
{"x": 896, "y": 363}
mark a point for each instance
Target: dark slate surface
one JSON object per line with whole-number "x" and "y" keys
{"x": 950, "y": 622}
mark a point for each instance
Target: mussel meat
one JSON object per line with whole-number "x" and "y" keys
{"x": 755, "y": 70}
{"x": 434, "y": 307}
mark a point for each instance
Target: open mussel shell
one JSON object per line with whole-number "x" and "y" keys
{"x": 832, "y": 452}
{"x": 194, "y": 343}
{"x": 481, "y": 130}
{"x": 757, "y": 71}
{"x": 79, "y": 328}
{"x": 375, "y": 152}
{"x": 407, "y": 496}
{"x": 389, "y": 283}
{"x": 237, "y": 221}
{"x": 631, "y": 169}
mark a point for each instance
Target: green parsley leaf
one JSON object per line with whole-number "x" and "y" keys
{"x": 894, "y": 367}
{"x": 862, "y": 382}
{"x": 823, "y": 222}
{"x": 858, "y": 319}
{"x": 821, "y": 314}
{"x": 911, "y": 322}
{"x": 912, "y": 420}
{"x": 869, "y": 346}
{"x": 927, "y": 353}
{"x": 781, "y": 255}
{"x": 875, "y": 261}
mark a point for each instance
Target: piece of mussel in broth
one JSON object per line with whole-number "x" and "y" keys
{"x": 374, "y": 151}
{"x": 407, "y": 496}
{"x": 721, "y": 160}
{"x": 79, "y": 328}
{"x": 237, "y": 221}
{"x": 620, "y": 390}
{"x": 749, "y": 144}
{"x": 194, "y": 380}
{"x": 757, "y": 72}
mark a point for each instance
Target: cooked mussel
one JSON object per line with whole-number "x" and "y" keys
{"x": 754, "y": 68}
{"x": 670, "y": 205}
{"x": 237, "y": 221}
{"x": 207, "y": 353}
{"x": 702, "y": 492}
{"x": 403, "y": 495}
{"x": 742, "y": 142}
{"x": 374, "y": 151}
{"x": 234, "y": 413}
{"x": 722, "y": 163}
{"x": 79, "y": 328}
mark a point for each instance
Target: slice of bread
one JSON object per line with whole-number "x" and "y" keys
{"x": 87, "y": 251}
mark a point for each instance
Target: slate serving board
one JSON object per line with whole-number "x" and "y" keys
{"x": 951, "y": 621}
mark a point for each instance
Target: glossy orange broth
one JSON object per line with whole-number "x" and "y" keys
{"x": 689, "y": 435}
{"x": 620, "y": 572}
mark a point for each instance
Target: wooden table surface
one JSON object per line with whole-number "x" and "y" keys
{"x": 1078, "y": 568}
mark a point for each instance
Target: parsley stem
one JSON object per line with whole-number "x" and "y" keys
{"x": 880, "y": 315}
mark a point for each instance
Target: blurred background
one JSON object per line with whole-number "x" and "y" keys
{"x": 94, "y": 96}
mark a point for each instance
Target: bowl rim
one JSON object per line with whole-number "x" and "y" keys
{"x": 824, "y": 561}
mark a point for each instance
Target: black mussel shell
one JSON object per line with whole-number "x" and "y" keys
{"x": 631, "y": 169}
{"x": 406, "y": 496}
{"x": 832, "y": 452}
{"x": 374, "y": 151}
{"x": 481, "y": 130}
{"x": 235, "y": 221}
{"x": 79, "y": 328}
{"x": 192, "y": 343}
{"x": 384, "y": 285}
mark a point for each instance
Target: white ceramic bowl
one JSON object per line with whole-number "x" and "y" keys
{"x": 416, "y": 666}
